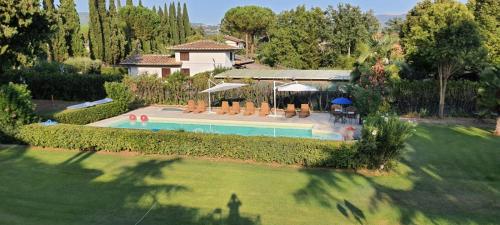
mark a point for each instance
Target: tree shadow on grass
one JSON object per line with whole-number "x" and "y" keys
{"x": 452, "y": 178}
{"x": 73, "y": 192}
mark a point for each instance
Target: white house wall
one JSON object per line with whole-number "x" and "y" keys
{"x": 144, "y": 70}
{"x": 205, "y": 61}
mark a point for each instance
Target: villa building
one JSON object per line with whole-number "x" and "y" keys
{"x": 190, "y": 59}
{"x": 234, "y": 41}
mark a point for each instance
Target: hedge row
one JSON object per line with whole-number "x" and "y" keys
{"x": 62, "y": 86}
{"x": 418, "y": 96}
{"x": 92, "y": 114}
{"x": 306, "y": 152}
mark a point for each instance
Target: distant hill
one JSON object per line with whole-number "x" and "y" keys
{"x": 383, "y": 18}
{"x": 84, "y": 18}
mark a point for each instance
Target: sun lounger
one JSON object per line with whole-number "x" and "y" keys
{"x": 201, "y": 107}
{"x": 305, "y": 111}
{"x": 290, "y": 111}
{"x": 264, "y": 109}
{"x": 249, "y": 109}
{"x": 190, "y": 107}
{"x": 235, "y": 109}
{"x": 224, "y": 108}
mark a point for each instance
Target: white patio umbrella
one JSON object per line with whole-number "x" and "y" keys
{"x": 292, "y": 87}
{"x": 219, "y": 87}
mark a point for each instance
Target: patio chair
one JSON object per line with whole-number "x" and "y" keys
{"x": 305, "y": 111}
{"x": 336, "y": 112}
{"x": 224, "y": 108}
{"x": 264, "y": 109}
{"x": 290, "y": 111}
{"x": 249, "y": 109}
{"x": 351, "y": 112}
{"x": 190, "y": 107}
{"x": 235, "y": 109}
{"x": 202, "y": 107}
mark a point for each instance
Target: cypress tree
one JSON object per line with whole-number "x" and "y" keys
{"x": 154, "y": 8}
{"x": 174, "y": 31}
{"x": 140, "y": 3}
{"x": 119, "y": 4}
{"x": 180, "y": 24}
{"x": 96, "y": 34}
{"x": 129, "y": 3}
{"x": 160, "y": 12}
{"x": 106, "y": 32}
{"x": 185, "y": 20}
{"x": 71, "y": 26}
{"x": 117, "y": 41}
{"x": 48, "y": 7}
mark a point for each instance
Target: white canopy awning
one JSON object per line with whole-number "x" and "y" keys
{"x": 223, "y": 87}
{"x": 295, "y": 87}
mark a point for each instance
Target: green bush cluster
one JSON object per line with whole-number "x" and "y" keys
{"x": 83, "y": 65}
{"x": 382, "y": 140}
{"x": 123, "y": 100}
{"x": 61, "y": 85}
{"x": 306, "y": 152}
{"x": 91, "y": 114}
{"x": 117, "y": 71}
{"x": 16, "y": 109}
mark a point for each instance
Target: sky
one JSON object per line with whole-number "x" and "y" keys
{"x": 212, "y": 11}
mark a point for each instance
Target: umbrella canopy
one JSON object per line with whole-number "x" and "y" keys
{"x": 342, "y": 101}
{"x": 223, "y": 87}
{"x": 296, "y": 87}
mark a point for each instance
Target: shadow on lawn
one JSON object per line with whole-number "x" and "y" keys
{"x": 453, "y": 175}
{"x": 72, "y": 193}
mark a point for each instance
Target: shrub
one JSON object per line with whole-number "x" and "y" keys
{"x": 92, "y": 114}
{"x": 119, "y": 92}
{"x": 368, "y": 101}
{"x": 61, "y": 86}
{"x": 116, "y": 71}
{"x": 83, "y": 65}
{"x": 307, "y": 152}
{"x": 16, "y": 109}
{"x": 382, "y": 140}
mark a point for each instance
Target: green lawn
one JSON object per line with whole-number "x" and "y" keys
{"x": 450, "y": 175}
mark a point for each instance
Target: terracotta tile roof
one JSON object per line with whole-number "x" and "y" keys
{"x": 231, "y": 38}
{"x": 151, "y": 60}
{"x": 204, "y": 45}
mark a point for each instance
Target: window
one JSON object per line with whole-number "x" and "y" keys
{"x": 185, "y": 71}
{"x": 184, "y": 56}
{"x": 231, "y": 56}
{"x": 165, "y": 72}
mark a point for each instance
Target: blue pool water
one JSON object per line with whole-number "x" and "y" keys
{"x": 244, "y": 130}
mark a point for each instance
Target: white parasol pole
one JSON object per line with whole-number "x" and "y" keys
{"x": 274, "y": 101}
{"x": 209, "y": 99}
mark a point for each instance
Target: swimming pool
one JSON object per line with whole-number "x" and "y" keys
{"x": 222, "y": 128}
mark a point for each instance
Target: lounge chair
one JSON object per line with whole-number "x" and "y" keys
{"x": 305, "y": 111}
{"x": 224, "y": 108}
{"x": 201, "y": 107}
{"x": 249, "y": 109}
{"x": 190, "y": 107}
{"x": 290, "y": 111}
{"x": 235, "y": 109}
{"x": 351, "y": 112}
{"x": 264, "y": 109}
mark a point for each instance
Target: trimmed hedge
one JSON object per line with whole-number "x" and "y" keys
{"x": 92, "y": 114}
{"x": 306, "y": 152}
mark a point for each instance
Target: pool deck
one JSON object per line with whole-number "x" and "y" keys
{"x": 319, "y": 122}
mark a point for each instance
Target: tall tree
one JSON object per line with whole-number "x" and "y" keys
{"x": 295, "y": 39}
{"x": 140, "y": 3}
{"x": 129, "y": 3}
{"x": 180, "y": 24}
{"x": 443, "y": 33}
{"x": 249, "y": 21}
{"x": 71, "y": 27}
{"x": 348, "y": 26}
{"x": 141, "y": 28}
{"x": 185, "y": 20}
{"x": 174, "y": 30}
{"x": 117, "y": 41}
{"x": 489, "y": 94}
{"x": 20, "y": 20}
{"x": 487, "y": 15}
{"x": 95, "y": 31}
{"x": 394, "y": 25}
{"x": 119, "y": 4}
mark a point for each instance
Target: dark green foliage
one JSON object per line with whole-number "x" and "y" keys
{"x": 92, "y": 114}
{"x": 129, "y": 3}
{"x": 117, "y": 71}
{"x": 180, "y": 24}
{"x": 185, "y": 20}
{"x": 306, "y": 152}
{"x": 174, "y": 30}
{"x": 141, "y": 29}
{"x": 16, "y": 110}
{"x": 382, "y": 140}
{"x": 117, "y": 42}
{"x": 19, "y": 21}
{"x": 489, "y": 93}
{"x": 96, "y": 36}
{"x": 416, "y": 96}
{"x": 62, "y": 86}
{"x": 367, "y": 101}
{"x": 79, "y": 65}
{"x": 295, "y": 40}
{"x": 71, "y": 28}
{"x": 119, "y": 92}
{"x": 487, "y": 16}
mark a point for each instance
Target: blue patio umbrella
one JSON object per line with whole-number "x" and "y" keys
{"x": 342, "y": 101}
